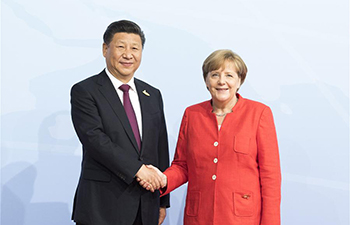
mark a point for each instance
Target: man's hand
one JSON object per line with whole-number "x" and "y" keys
{"x": 164, "y": 180}
{"x": 149, "y": 178}
{"x": 162, "y": 214}
{"x": 149, "y": 186}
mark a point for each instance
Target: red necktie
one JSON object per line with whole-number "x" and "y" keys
{"x": 130, "y": 113}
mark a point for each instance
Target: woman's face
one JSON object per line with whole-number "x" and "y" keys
{"x": 223, "y": 83}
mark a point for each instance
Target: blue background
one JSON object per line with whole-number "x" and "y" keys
{"x": 297, "y": 54}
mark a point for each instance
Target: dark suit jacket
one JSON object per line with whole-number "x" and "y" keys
{"x": 107, "y": 193}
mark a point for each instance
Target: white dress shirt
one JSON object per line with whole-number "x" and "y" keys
{"x": 134, "y": 98}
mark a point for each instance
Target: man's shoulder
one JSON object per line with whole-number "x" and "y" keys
{"x": 146, "y": 86}
{"x": 90, "y": 79}
{"x": 89, "y": 82}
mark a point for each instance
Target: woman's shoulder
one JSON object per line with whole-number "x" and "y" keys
{"x": 252, "y": 104}
{"x": 202, "y": 106}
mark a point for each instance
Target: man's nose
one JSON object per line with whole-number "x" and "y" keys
{"x": 127, "y": 54}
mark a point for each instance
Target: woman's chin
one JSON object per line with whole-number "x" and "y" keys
{"x": 221, "y": 98}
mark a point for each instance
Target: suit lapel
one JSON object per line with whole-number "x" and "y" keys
{"x": 145, "y": 100}
{"x": 109, "y": 92}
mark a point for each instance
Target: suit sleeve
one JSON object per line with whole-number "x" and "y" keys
{"x": 177, "y": 173}
{"x": 88, "y": 125}
{"x": 163, "y": 152}
{"x": 269, "y": 168}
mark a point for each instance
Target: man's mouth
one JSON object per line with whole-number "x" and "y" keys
{"x": 126, "y": 64}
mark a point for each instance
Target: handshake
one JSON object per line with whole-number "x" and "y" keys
{"x": 151, "y": 178}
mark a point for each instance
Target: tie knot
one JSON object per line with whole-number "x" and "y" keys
{"x": 124, "y": 87}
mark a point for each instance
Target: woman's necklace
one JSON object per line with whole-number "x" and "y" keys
{"x": 221, "y": 115}
{"x": 224, "y": 114}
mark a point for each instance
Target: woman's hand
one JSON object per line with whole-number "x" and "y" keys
{"x": 148, "y": 186}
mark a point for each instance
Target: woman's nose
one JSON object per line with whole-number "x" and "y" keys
{"x": 221, "y": 80}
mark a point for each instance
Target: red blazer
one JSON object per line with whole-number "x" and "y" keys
{"x": 233, "y": 173}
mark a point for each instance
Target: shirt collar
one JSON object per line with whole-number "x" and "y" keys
{"x": 117, "y": 83}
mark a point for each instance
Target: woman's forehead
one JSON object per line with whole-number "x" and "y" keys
{"x": 224, "y": 65}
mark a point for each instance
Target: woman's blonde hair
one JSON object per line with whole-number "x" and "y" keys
{"x": 217, "y": 59}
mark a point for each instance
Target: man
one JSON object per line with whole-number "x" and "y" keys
{"x": 120, "y": 123}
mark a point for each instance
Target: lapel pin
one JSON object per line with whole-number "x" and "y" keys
{"x": 146, "y": 93}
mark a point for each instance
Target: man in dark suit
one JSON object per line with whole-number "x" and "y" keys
{"x": 120, "y": 122}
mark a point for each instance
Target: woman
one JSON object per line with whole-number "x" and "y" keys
{"x": 227, "y": 152}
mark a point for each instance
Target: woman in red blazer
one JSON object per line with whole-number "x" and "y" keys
{"x": 227, "y": 152}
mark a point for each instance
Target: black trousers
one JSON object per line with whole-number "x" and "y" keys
{"x": 138, "y": 220}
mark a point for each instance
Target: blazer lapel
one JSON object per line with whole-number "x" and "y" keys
{"x": 109, "y": 92}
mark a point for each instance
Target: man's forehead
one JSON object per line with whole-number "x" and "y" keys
{"x": 127, "y": 37}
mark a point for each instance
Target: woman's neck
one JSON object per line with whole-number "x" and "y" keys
{"x": 224, "y": 107}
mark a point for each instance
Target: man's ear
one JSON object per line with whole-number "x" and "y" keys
{"x": 104, "y": 49}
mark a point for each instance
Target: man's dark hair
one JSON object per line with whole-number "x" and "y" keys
{"x": 123, "y": 26}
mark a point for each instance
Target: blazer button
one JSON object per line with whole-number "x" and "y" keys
{"x": 215, "y": 160}
{"x": 246, "y": 196}
{"x": 140, "y": 158}
{"x": 213, "y": 177}
{"x": 216, "y": 143}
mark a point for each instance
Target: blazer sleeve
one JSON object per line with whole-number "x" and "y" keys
{"x": 163, "y": 151}
{"x": 177, "y": 173}
{"x": 269, "y": 168}
{"x": 88, "y": 125}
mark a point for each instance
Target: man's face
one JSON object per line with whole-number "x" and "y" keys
{"x": 123, "y": 55}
